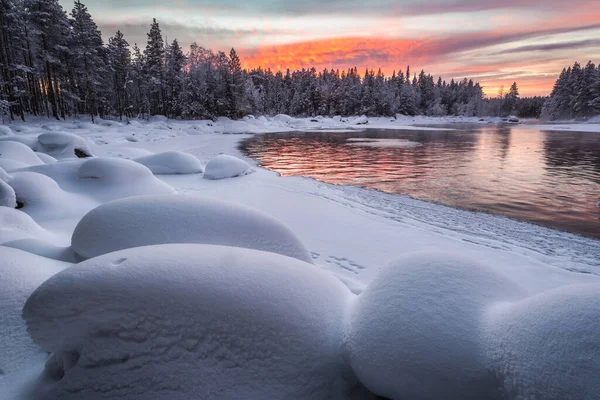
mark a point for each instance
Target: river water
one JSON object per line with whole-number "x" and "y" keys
{"x": 543, "y": 177}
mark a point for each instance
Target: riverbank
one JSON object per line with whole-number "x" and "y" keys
{"x": 350, "y": 232}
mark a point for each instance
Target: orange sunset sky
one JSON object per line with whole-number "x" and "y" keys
{"x": 494, "y": 42}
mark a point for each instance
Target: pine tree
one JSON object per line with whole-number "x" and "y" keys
{"x": 154, "y": 69}
{"x": 88, "y": 61}
{"x": 175, "y": 62}
{"x": 119, "y": 59}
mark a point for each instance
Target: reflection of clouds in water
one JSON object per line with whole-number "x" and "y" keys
{"x": 402, "y": 143}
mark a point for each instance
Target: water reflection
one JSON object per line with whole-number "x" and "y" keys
{"x": 549, "y": 178}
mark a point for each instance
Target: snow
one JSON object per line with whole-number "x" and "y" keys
{"x": 20, "y": 274}
{"x": 420, "y": 322}
{"x": 5, "y": 131}
{"x": 15, "y": 225}
{"x": 225, "y": 166}
{"x": 171, "y": 162}
{"x": 46, "y": 159}
{"x": 116, "y": 178}
{"x": 348, "y": 233}
{"x": 547, "y": 346}
{"x": 148, "y": 220}
{"x": 4, "y": 176}
{"x": 398, "y": 143}
{"x": 190, "y": 321}
{"x": 19, "y": 153}
{"x": 7, "y": 195}
{"x": 63, "y": 145}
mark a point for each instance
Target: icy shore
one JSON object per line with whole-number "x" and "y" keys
{"x": 350, "y": 233}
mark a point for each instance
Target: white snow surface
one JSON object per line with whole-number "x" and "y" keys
{"x": 147, "y": 220}
{"x": 18, "y": 153}
{"x": 171, "y": 162}
{"x": 20, "y": 274}
{"x": 225, "y": 166}
{"x": 8, "y": 197}
{"x": 191, "y": 321}
{"x": 417, "y": 331}
{"x": 547, "y": 346}
{"x": 351, "y": 234}
{"x": 63, "y": 145}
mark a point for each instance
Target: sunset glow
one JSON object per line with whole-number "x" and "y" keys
{"x": 495, "y": 42}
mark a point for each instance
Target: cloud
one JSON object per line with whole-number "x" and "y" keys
{"x": 553, "y": 46}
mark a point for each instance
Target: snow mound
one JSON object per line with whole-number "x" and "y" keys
{"x": 63, "y": 145}
{"x": 4, "y": 176}
{"x": 148, "y": 220}
{"x": 39, "y": 194}
{"x": 118, "y": 178}
{"x": 8, "y": 197}
{"x": 512, "y": 119}
{"x": 190, "y": 321}
{"x": 225, "y": 166}
{"x": 46, "y": 159}
{"x": 283, "y": 119}
{"x": 362, "y": 120}
{"x": 19, "y": 152}
{"x": 15, "y": 225}
{"x": 548, "y": 345}
{"x": 171, "y": 162}
{"x": 20, "y": 274}
{"x": 5, "y": 131}
{"x": 416, "y": 332}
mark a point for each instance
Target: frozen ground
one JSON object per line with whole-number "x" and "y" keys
{"x": 350, "y": 233}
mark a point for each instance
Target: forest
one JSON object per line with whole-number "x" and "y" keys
{"x": 57, "y": 65}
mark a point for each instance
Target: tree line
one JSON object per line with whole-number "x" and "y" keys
{"x": 57, "y": 65}
{"x": 576, "y": 93}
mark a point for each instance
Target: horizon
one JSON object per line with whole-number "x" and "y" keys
{"x": 501, "y": 42}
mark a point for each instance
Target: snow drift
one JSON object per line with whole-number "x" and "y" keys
{"x": 63, "y": 145}
{"x": 190, "y": 321}
{"x": 15, "y": 225}
{"x": 20, "y": 274}
{"x": 171, "y": 162}
{"x": 148, "y": 220}
{"x": 8, "y": 198}
{"x": 15, "y": 155}
{"x": 417, "y": 330}
{"x": 225, "y": 166}
{"x": 548, "y": 345}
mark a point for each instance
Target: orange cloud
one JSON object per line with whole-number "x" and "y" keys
{"x": 342, "y": 53}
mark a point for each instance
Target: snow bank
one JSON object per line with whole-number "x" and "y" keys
{"x": 15, "y": 225}
{"x": 63, "y": 145}
{"x": 115, "y": 178}
{"x": 190, "y": 321}
{"x": 18, "y": 152}
{"x": 7, "y": 195}
{"x": 20, "y": 274}
{"x": 416, "y": 331}
{"x": 548, "y": 346}
{"x": 4, "y": 176}
{"x": 148, "y": 220}
{"x": 171, "y": 162}
{"x": 225, "y": 166}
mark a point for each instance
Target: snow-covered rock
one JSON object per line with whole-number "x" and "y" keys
{"x": 20, "y": 274}
{"x": 149, "y": 220}
{"x": 512, "y": 119}
{"x": 8, "y": 197}
{"x": 115, "y": 178}
{"x": 362, "y": 120}
{"x": 171, "y": 162}
{"x": 225, "y": 166}
{"x": 548, "y": 346}
{"x": 19, "y": 152}
{"x": 15, "y": 225}
{"x": 63, "y": 145}
{"x": 416, "y": 332}
{"x": 283, "y": 118}
{"x": 190, "y": 321}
